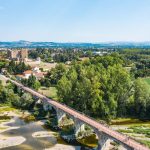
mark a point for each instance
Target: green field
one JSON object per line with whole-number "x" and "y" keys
{"x": 147, "y": 80}
{"x": 129, "y": 122}
{"x": 50, "y": 92}
{"x": 135, "y": 128}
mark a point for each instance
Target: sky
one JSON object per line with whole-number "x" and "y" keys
{"x": 75, "y": 20}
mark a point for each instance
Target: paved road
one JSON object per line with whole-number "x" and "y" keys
{"x": 115, "y": 135}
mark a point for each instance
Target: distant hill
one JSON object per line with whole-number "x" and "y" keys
{"x": 28, "y": 44}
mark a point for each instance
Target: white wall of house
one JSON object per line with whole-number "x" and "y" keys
{"x": 27, "y": 76}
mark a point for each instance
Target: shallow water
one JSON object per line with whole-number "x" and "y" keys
{"x": 26, "y": 130}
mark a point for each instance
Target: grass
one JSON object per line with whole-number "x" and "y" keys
{"x": 3, "y": 128}
{"x": 141, "y": 130}
{"x": 90, "y": 141}
{"x": 3, "y": 109}
{"x": 50, "y": 92}
{"x": 29, "y": 118}
{"x": 3, "y": 80}
{"x": 6, "y": 108}
{"x": 125, "y": 131}
{"x": 147, "y": 80}
{"x": 145, "y": 142}
{"x": 135, "y": 128}
{"x": 145, "y": 132}
{"x": 43, "y": 65}
{"x": 1, "y": 121}
{"x": 129, "y": 122}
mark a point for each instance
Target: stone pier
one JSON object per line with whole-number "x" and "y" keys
{"x": 47, "y": 107}
{"x": 79, "y": 126}
{"x": 39, "y": 101}
{"x": 60, "y": 115}
{"x": 103, "y": 141}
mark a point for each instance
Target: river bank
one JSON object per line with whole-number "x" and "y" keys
{"x": 19, "y": 134}
{"x": 139, "y": 130}
{"x": 19, "y": 130}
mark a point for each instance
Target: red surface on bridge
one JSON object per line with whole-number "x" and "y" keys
{"x": 116, "y": 135}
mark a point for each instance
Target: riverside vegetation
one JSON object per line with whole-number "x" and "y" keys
{"x": 102, "y": 87}
{"x": 106, "y": 87}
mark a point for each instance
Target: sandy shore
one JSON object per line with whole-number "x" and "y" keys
{"x": 40, "y": 134}
{"x": 17, "y": 140}
{"x": 11, "y": 141}
{"x": 4, "y": 127}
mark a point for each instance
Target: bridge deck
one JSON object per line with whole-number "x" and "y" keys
{"x": 115, "y": 135}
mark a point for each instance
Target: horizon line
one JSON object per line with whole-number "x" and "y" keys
{"x": 105, "y": 42}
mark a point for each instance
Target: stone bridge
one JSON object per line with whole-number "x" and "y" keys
{"x": 104, "y": 133}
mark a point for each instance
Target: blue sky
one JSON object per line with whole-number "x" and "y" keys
{"x": 75, "y": 20}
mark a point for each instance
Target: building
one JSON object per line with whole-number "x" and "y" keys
{"x": 100, "y": 53}
{"x": 18, "y": 55}
{"x": 27, "y": 74}
{"x": 35, "y": 72}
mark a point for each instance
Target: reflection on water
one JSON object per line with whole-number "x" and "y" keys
{"x": 26, "y": 130}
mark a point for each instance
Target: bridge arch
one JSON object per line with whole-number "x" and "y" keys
{"x": 129, "y": 144}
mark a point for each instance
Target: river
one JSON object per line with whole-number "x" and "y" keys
{"x": 26, "y": 130}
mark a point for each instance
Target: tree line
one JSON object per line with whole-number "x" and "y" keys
{"x": 14, "y": 67}
{"x": 11, "y": 95}
{"x": 139, "y": 60}
{"x": 102, "y": 87}
{"x": 17, "y": 68}
{"x": 55, "y": 55}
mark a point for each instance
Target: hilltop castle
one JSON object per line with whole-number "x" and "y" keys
{"x": 18, "y": 55}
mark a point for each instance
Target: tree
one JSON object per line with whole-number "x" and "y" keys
{"x": 36, "y": 85}
{"x": 17, "y": 68}
{"x": 32, "y": 82}
{"x": 80, "y": 89}
{"x": 89, "y": 53}
{"x": 141, "y": 98}
{"x": 56, "y": 73}
{"x": 2, "y": 93}
{"x": 64, "y": 93}
{"x": 7, "y": 94}
{"x": 24, "y": 102}
{"x": 116, "y": 88}
{"x": 12, "y": 97}
{"x": 100, "y": 87}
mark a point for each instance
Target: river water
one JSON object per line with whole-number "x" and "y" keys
{"x": 26, "y": 130}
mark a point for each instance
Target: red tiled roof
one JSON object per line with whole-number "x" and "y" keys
{"x": 39, "y": 75}
{"x": 28, "y": 72}
{"x": 20, "y": 75}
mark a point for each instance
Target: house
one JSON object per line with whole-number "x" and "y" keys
{"x": 19, "y": 76}
{"x": 27, "y": 74}
{"x": 35, "y": 72}
{"x": 39, "y": 75}
{"x": 100, "y": 53}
